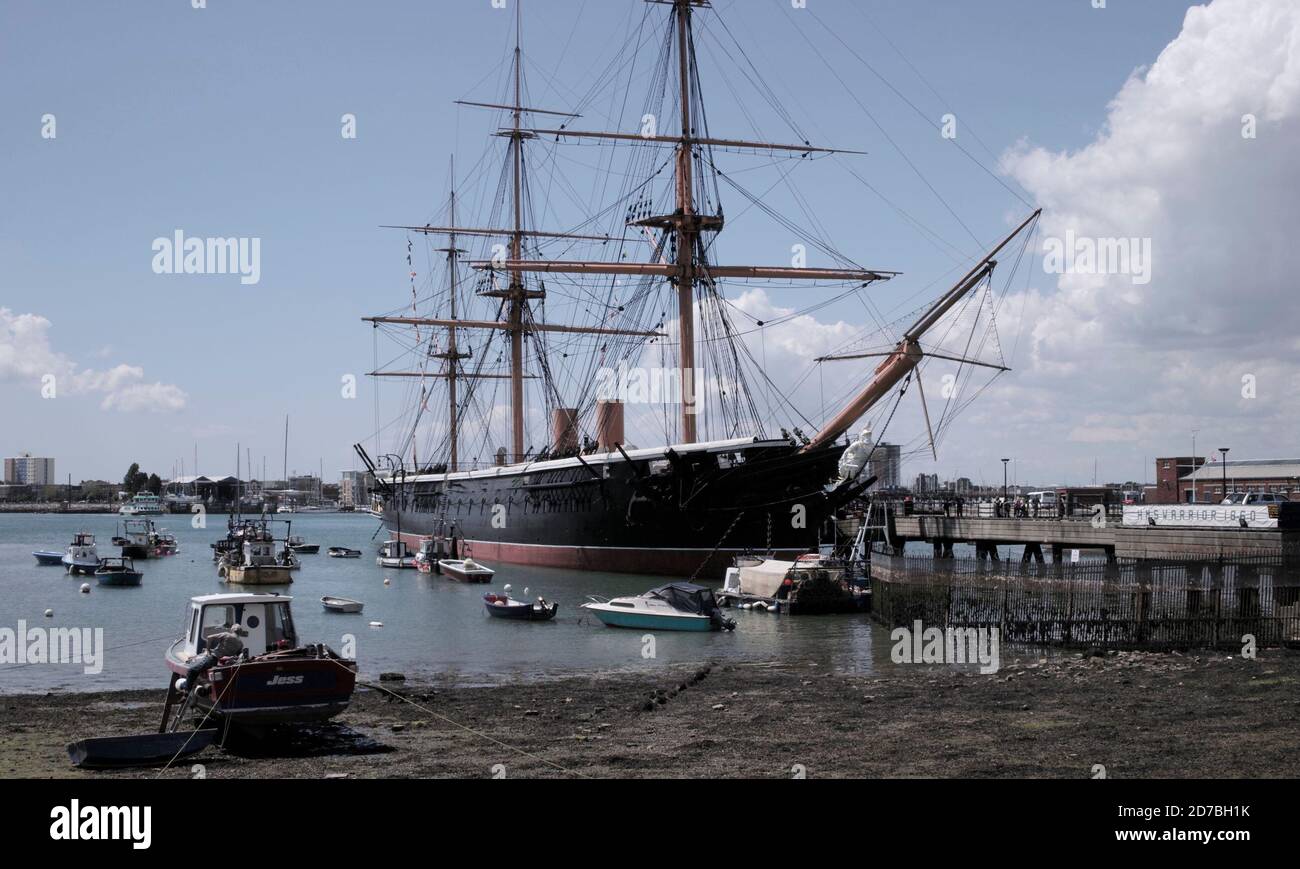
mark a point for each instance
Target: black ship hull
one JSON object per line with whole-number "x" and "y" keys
{"x": 669, "y": 512}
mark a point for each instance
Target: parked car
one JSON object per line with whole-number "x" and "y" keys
{"x": 1254, "y": 499}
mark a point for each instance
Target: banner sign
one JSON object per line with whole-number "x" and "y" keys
{"x": 1200, "y": 516}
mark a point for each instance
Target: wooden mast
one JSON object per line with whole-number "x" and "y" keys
{"x": 517, "y": 298}
{"x": 687, "y": 231}
{"x": 453, "y": 355}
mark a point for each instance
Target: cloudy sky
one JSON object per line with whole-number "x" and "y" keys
{"x": 1162, "y": 122}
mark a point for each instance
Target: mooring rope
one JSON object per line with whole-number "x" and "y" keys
{"x": 469, "y": 729}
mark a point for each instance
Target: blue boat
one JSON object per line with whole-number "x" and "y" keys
{"x": 45, "y": 557}
{"x": 677, "y": 606}
{"x": 118, "y": 572}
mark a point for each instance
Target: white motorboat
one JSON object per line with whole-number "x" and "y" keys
{"x": 82, "y": 556}
{"x": 465, "y": 570}
{"x": 341, "y": 604}
{"x": 677, "y": 606}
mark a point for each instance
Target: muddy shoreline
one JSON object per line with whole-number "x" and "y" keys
{"x": 1138, "y": 714}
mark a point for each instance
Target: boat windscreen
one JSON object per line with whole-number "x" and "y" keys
{"x": 688, "y": 597}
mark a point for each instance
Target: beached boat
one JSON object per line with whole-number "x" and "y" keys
{"x": 501, "y": 606}
{"x": 677, "y": 606}
{"x": 343, "y": 552}
{"x": 241, "y": 660}
{"x": 394, "y": 553}
{"x": 47, "y": 558}
{"x": 148, "y": 749}
{"x": 119, "y": 572}
{"x": 82, "y": 555}
{"x": 341, "y": 604}
{"x": 465, "y": 570}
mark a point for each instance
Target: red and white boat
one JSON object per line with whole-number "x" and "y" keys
{"x": 273, "y": 679}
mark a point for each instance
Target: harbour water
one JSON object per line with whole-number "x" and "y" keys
{"x": 432, "y": 627}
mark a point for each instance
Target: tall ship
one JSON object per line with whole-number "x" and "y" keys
{"x": 536, "y": 357}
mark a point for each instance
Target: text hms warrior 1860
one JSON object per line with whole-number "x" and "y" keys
{"x": 597, "y": 502}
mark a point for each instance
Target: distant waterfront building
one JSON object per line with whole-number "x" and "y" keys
{"x": 28, "y": 470}
{"x": 960, "y": 486}
{"x": 1205, "y": 484}
{"x": 926, "y": 483}
{"x": 887, "y": 465}
{"x": 354, "y": 489}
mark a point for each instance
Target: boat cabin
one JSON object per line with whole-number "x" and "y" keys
{"x": 394, "y": 549}
{"x": 259, "y": 552}
{"x": 137, "y": 531}
{"x": 265, "y": 617}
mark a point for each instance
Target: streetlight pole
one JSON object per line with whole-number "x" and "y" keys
{"x": 1194, "y": 431}
{"x": 1004, "y": 480}
{"x": 1224, "y": 451}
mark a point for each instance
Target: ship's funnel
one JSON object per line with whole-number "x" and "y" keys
{"x": 564, "y": 429}
{"x": 609, "y": 424}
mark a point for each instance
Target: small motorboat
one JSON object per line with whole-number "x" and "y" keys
{"x": 164, "y": 544}
{"x": 82, "y": 555}
{"x": 502, "y": 606}
{"x": 343, "y": 552}
{"x": 394, "y": 553}
{"x": 47, "y": 558}
{"x": 341, "y": 604}
{"x": 146, "y": 749}
{"x": 302, "y": 547}
{"x": 241, "y": 661}
{"x": 465, "y": 570}
{"x": 118, "y": 572}
{"x": 677, "y": 606}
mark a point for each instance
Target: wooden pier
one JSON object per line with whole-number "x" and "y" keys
{"x": 1170, "y": 603}
{"x": 1061, "y": 535}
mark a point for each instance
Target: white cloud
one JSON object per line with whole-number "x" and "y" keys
{"x": 27, "y": 356}
{"x": 1149, "y": 363}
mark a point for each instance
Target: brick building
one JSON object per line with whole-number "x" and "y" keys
{"x": 1279, "y": 476}
{"x": 1170, "y": 472}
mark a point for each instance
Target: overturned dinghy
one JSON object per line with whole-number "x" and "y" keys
{"x": 144, "y": 749}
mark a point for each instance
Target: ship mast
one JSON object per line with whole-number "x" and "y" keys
{"x": 452, "y": 356}
{"x": 686, "y": 229}
{"x": 686, "y": 224}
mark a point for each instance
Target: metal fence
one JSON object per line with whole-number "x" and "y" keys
{"x": 1132, "y": 604}
{"x": 988, "y": 509}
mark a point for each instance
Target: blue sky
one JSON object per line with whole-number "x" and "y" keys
{"x": 225, "y": 121}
